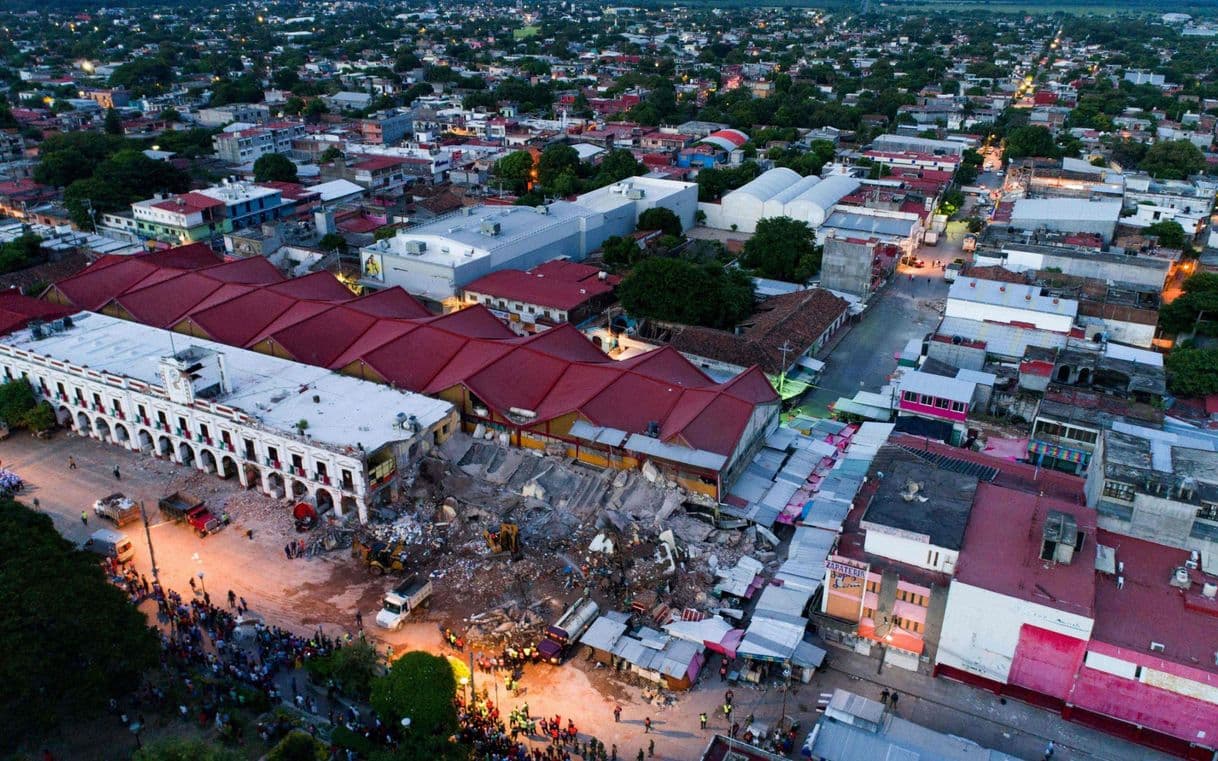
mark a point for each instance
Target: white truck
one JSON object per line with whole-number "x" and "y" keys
{"x": 401, "y": 600}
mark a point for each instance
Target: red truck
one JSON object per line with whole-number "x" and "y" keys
{"x": 183, "y": 507}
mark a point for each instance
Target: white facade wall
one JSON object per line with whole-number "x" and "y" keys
{"x": 117, "y": 420}
{"x": 975, "y": 310}
{"x": 909, "y": 550}
{"x": 1132, "y": 333}
{"x": 981, "y": 629}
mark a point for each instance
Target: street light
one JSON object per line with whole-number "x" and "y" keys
{"x": 136, "y": 727}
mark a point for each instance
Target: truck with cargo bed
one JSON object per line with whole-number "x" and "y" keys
{"x": 574, "y": 621}
{"x": 117, "y": 508}
{"x": 182, "y": 507}
{"x": 403, "y": 599}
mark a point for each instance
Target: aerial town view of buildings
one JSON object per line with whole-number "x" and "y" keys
{"x": 538, "y": 381}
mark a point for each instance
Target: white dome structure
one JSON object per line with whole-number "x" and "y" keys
{"x": 746, "y": 204}
{"x": 776, "y": 205}
{"x": 813, "y": 205}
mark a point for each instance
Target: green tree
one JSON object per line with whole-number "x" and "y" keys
{"x": 1195, "y": 309}
{"x": 1030, "y": 141}
{"x": 352, "y": 668}
{"x": 621, "y": 251}
{"x": 783, "y": 249}
{"x": 41, "y": 418}
{"x": 274, "y": 167}
{"x": 93, "y": 634}
{"x": 1192, "y": 372}
{"x": 330, "y": 154}
{"x": 420, "y": 686}
{"x": 71, "y": 156}
{"x": 1169, "y": 232}
{"x": 1173, "y": 160}
{"x": 332, "y": 242}
{"x": 187, "y": 143}
{"x": 21, "y": 252}
{"x": 16, "y": 401}
{"x": 691, "y": 293}
{"x": 556, "y": 159}
{"x": 181, "y": 749}
{"x": 113, "y": 124}
{"x": 298, "y": 745}
{"x": 659, "y": 218}
{"x": 617, "y": 165}
{"x": 515, "y": 169}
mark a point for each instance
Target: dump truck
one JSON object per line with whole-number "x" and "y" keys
{"x": 402, "y": 600}
{"x": 117, "y": 508}
{"x": 184, "y": 508}
{"x": 574, "y": 621}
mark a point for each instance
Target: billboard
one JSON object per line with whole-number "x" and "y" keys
{"x": 372, "y": 266}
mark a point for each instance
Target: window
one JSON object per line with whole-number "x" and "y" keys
{"x": 927, "y": 399}
{"x": 910, "y": 396}
{"x": 97, "y": 400}
{"x": 143, "y": 413}
{"x": 1118, "y": 490}
{"x": 932, "y": 558}
{"x": 182, "y": 424}
{"x": 272, "y": 454}
{"x": 941, "y": 403}
{"x": 249, "y": 448}
{"x": 204, "y": 432}
{"x": 959, "y": 406}
{"x": 1208, "y": 511}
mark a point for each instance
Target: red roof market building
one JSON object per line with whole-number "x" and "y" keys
{"x": 552, "y": 390}
{"x": 550, "y": 294}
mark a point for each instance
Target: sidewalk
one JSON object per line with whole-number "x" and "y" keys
{"x": 1002, "y": 724}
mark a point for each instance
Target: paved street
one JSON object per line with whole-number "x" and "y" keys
{"x": 326, "y": 591}
{"x": 865, "y": 357}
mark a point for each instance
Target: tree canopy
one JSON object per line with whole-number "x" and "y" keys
{"x": 1173, "y": 160}
{"x": 659, "y": 218}
{"x": 516, "y": 169}
{"x": 1169, "y": 232}
{"x": 65, "y": 654}
{"x": 691, "y": 293}
{"x": 1192, "y": 372}
{"x": 420, "y": 686}
{"x": 274, "y": 167}
{"x": 1197, "y": 306}
{"x": 1030, "y": 141}
{"x": 783, "y": 249}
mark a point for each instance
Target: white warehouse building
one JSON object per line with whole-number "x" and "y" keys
{"x": 779, "y": 192}
{"x": 288, "y": 429}
{"x": 435, "y": 260}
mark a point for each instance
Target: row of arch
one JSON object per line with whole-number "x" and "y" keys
{"x": 224, "y": 465}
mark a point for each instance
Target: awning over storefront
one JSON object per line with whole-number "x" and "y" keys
{"x": 1065, "y": 454}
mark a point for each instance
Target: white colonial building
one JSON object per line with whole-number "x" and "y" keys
{"x": 288, "y": 429}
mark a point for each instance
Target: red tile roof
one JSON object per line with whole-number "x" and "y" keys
{"x": 17, "y": 310}
{"x": 389, "y": 336}
{"x": 558, "y": 284}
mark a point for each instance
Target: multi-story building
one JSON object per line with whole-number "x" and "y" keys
{"x": 201, "y": 214}
{"x": 435, "y": 260}
{"x": 857, "y": 265}
{"x": 386, "y": 127}
{"x": 287, "y": 428}
{"x": 248, "y": 145}
{"x": 218, "y": 116}
{"x": 1158, "y": 484}
{"x": 183, "y": 218}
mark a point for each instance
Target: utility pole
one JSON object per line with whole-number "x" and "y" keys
{"x": 782, "y": 376}
{"x": 156, "y": 576}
